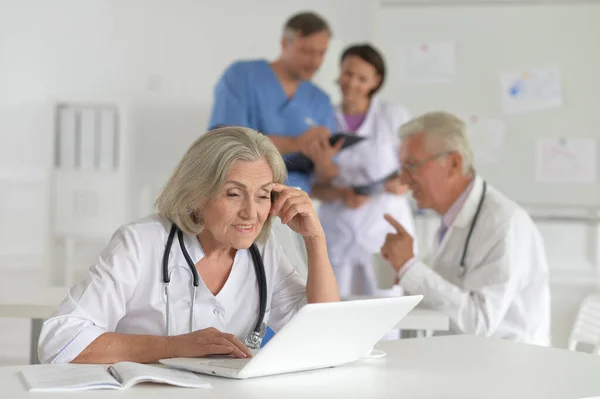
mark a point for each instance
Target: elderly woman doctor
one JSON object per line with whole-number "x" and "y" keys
{"x": 217, "y": 203}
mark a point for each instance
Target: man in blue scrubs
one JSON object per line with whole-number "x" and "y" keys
{"x": 279, "y": 100}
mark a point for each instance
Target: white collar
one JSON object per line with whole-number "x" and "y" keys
{"x": 467, "y": 212}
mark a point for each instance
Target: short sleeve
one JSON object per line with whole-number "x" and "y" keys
{"x": 289, "y": 288}
{"x": 95, "y": 305}
{"x": 230, "y": 106}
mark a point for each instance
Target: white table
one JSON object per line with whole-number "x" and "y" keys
{"x": 439, "y": 367}
{"x": 423, "y": 320}
{"x": 39, "y": 303}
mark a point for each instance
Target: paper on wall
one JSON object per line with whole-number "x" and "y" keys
{"x": 531, "y": 90}
{"x": 563, "y": 160}
{"x": 487, "y": 137}
{"x": 427, "y": 63}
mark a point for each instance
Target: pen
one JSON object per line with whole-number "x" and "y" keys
{"x": 309, "y": 122}
{"x": 114, "y": 374}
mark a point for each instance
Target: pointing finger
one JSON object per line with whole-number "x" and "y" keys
{"x": 395, "y": 224}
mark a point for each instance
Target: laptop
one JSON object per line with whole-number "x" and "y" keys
{"x": 320, "y": 335}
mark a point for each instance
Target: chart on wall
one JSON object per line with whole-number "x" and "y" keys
{"x": 518, "y": 89}
{"x": 425, "y": 62}
{"x": 487, "y": 137}
{"x": 563, "y": 160}
{"x": 531, "y": 90}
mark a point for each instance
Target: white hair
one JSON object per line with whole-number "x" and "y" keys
{"x": 444, "y": 132}
{"x": 202, "y": 172}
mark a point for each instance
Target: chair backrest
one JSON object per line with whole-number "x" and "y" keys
{"x": 587, "y": 324}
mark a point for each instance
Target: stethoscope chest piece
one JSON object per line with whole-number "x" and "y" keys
{"x": 254, "y": 339}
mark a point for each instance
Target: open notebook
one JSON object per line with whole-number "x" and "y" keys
{"x": 80, "y": 377}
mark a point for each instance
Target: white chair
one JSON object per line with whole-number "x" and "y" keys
{"x": 587, "y": 324}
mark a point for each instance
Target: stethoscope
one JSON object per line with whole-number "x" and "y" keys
{"x": 473, "y": 222}
{"x": 254, "y": 338}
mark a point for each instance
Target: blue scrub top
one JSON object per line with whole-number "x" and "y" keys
{"x": 249, "y": 94}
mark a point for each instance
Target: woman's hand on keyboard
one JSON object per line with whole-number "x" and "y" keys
{"x": 210, "y": 341}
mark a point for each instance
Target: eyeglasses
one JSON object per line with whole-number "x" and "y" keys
{"x": 412, "y": 167}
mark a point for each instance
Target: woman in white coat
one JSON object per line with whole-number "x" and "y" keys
{"x": 146, "y": 299}
{"x": 353, "y": 223}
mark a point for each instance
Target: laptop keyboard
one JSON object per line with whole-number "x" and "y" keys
{"x": 236, "y": 364}
{"x": 232, "y": 363}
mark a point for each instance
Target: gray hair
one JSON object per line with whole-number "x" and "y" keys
{"x": 203, "y": 170}
{"x": 444, "y": 132}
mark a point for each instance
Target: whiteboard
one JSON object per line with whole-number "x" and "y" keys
{"x": 494, "y": 38}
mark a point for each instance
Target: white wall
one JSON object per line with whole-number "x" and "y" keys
{"x": 161, "y": 58}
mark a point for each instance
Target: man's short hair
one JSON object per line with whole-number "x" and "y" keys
{"x": 305, "y": 24}
{"x": 444, "y": 132}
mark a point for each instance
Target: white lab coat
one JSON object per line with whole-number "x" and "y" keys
{"x": 353, "y": 235}
{"x": 124, "y": 293}
{"x": 504, "y": 292}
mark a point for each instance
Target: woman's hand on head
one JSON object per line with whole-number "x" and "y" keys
{"x": 295, "y": 209}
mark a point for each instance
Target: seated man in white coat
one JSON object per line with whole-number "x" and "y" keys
{"x": 488, "y": 270}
